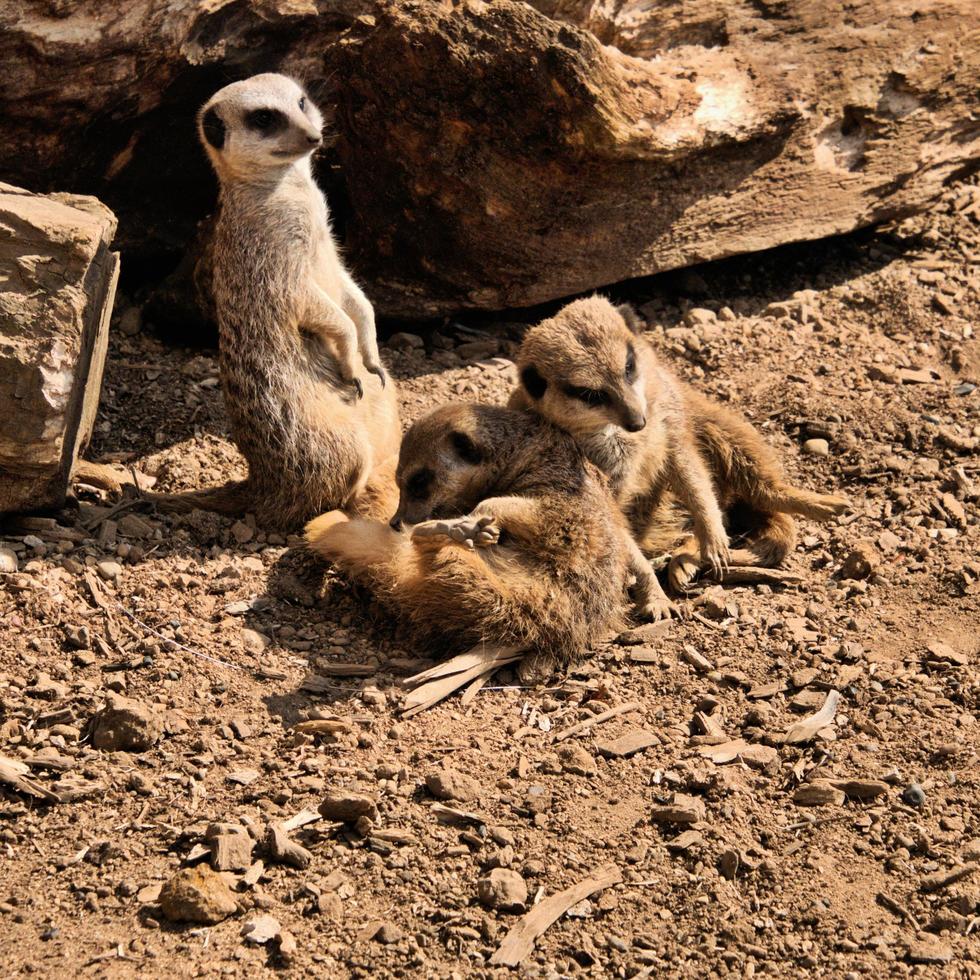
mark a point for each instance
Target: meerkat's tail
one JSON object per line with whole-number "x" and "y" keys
{"x": 231, "y": 498}
{"x": 814, "y": 506}
{"x": 359, "y": 547}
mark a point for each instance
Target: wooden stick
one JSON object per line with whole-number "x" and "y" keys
{"x": 748, "y": 574}
{"x": 584, "y": 726}
{"x": 519, "y": 942}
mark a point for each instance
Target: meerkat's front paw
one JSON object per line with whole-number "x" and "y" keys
{"x": 715, "y": 553}
{"x": 472, "y": 532}
{"x": 658, "y": 608}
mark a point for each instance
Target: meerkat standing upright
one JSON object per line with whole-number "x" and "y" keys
{"x": 588, "y": 371}
{"x": 294, "y": 327}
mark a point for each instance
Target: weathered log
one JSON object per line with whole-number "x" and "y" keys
{"x": 496, "y": 155}
{"x": 58, "y": 283}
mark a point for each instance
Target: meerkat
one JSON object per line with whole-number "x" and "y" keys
{"x": 295, "y": 329}
{"x": 589, "y": 371}
{"x": 515, "y": 539}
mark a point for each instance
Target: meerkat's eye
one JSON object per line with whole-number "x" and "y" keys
{"x": 630, "y": 372}
{"x": 593, "y": 397}
{"x": 418, "y": 484}
{"x": 264, "y": 120}
{"x": 302, "y": 104}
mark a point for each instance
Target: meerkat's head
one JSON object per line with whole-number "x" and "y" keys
{"x": 581, "y": 369}
{"x": 258, "y": 126}
{"x": 444, "y": 463}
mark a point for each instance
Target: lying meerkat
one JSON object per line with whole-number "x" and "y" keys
{"x": 294, "y": 327}
{"x": 515, "y": 539}
{"x": 589, "y": 371}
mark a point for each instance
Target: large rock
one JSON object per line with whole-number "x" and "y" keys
{"x": 57, "y": 283}
{"x": 517, "y": 154}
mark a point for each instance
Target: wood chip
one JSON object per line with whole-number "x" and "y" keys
{"x": 584, "y": 726}
{"x": 685, "y": 841}
{"x": 750, "y": 574}
{"x": 645, "y": 657}
{"x": 442, "y": 680}
{"x": 14, "y": 773}
{"x": 770, "y": 690}
{"x": 820, "y": 792}
{"x": 807, "y": 728}
{"x": 322, "y": 726}
{"x": 860, "y": 789}
{"x": 752, "y": 754}
{"x": 300, "y": 819}
{"x": 519, "y": 942}
{"x": 943, "y": 879}
{"x": 701, "y": 664}
{"x": 626, "y": 745}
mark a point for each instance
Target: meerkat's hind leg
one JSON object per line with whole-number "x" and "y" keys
{"x": 472, "y": 531}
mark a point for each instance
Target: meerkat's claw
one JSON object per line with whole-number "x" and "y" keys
{"x": 358, "y": 387}
{"x": 657, "y": 609}
{"x": 681, "y": 571}
{"x": 379, "y": 371}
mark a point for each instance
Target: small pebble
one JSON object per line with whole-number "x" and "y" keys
{"x": 914, "y": 795}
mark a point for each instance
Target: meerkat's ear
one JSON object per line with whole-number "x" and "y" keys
{"x": 213, "y": 128}
{"x": 467, "y": 450}
{"x": 533, "y": 383}
{"x": 633, "y": 319}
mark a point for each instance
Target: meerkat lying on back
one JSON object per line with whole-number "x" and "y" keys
{"x": 295, "y": 329}
{"x": 516, "y": 540}
{"x": 590, "y": 372}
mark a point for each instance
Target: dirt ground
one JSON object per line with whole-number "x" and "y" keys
{"x": 215, "y": 628}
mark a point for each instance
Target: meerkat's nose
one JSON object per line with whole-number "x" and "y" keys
{"x": 635, "y": 423}
{"x": 395, "y": 523}
{"x": 313, "y": 139}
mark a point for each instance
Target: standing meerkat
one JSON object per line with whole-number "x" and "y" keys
{"x": 310, "y": 406}
{"x": 590, "y": 372}
{"x": 516, "y": 540}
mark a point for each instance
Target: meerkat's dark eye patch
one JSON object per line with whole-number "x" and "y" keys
{"x": 214, "y": 129}
{"x": 265, "y": 121}
{"x": 466, "y": 448}
{"x": 533, "y": 383}
{"x": 630, "y": 372}
{"x": 419, "y": 484}
{"x": 593, "y": 397}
